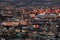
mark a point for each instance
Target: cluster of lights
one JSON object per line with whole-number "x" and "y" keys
{"x": 57, "y": 11}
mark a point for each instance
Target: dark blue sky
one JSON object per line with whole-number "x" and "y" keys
{"x": 41, "y": 2}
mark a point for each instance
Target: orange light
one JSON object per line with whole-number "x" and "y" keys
{"x": 41, "y": 11}
{"x": 57, "y": 11}
{"x": 35, "y": 26}
{"x": 32, "y": 15}
{"x": 48, "y": 10}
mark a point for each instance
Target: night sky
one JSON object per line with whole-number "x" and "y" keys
{"x": 33, "y": 2}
